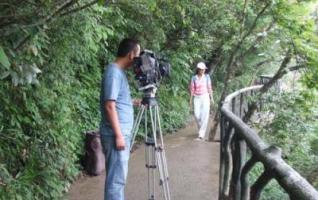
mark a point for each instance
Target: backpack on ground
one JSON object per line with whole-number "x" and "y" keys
{"x": 94, "y": 161}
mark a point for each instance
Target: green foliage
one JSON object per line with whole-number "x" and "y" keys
{"x": 42, "y": 125}
{"x": 52, "y": 56}
{"x": 292, "y": 125}
{"x": 4, "y": 59}
{"x": 50, "y": 94}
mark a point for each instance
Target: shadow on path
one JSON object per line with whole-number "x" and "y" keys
{"x": 193, "y": 169}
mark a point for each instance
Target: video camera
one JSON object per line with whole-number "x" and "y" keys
{"x": 149, "y": 70}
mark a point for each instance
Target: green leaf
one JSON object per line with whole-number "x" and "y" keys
{"x": 101, "y": 2}
{"x": 4, "y": 74}
{"x": 4, "y": 59}
{"x": 34, "y": 50}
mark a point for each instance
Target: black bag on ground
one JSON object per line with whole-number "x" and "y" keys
{"x": 94, "y": 161}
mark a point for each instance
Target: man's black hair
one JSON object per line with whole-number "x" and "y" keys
{"x": 126, "y": 46}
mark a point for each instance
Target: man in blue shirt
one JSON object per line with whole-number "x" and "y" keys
{"x": 116, "y": 108}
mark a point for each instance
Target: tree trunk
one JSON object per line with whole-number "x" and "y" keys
{"x": 229, "y": 70}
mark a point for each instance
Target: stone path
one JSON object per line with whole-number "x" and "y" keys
{"x": 193, "y": 169}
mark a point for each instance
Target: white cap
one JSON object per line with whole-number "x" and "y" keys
{"x": 201, "y": 65}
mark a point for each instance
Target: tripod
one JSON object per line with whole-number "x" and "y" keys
{"x": 154, "y": 147}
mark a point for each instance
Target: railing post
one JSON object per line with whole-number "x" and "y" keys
{"x": 233, "y": 105}
{"x": 259, "y": 185}
{"x": 228, "y": 160}
{"x": 241, "y": 106}
{"x": 238, "y": 163}
{"x": 222, "y": 164}
{"x": 245, "y": 188}
{"x": 236, "y": 137}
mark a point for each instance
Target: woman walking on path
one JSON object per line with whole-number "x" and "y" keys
{"x": 201, "y": 94}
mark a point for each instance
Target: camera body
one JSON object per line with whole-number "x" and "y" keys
{"x": 149, "y": 69}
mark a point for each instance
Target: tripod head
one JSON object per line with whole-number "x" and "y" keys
{"x": 149, "y": 97}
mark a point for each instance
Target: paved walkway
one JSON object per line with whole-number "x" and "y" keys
{"x": 193, "y": 169}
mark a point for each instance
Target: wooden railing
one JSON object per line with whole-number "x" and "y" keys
{"x": 236, "y": 139}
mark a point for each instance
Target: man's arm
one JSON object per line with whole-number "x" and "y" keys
{"x": 111, "y": 113}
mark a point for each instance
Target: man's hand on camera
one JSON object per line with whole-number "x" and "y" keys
{"x": 120, "y": 143}
{"x": 137, "y": 102}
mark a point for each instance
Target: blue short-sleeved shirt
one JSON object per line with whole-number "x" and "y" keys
{"x": 115, "y": 87}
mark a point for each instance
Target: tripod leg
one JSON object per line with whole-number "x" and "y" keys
{"x": 151, "y": 166}
{"x": 136, "y": 125}
{"x": 158, "y": 154}
{"x": 150, "y": 160}
{"x": 161, "y": 140}
{"x": 154, "y": 150}
{"x": 163, "y": 155}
